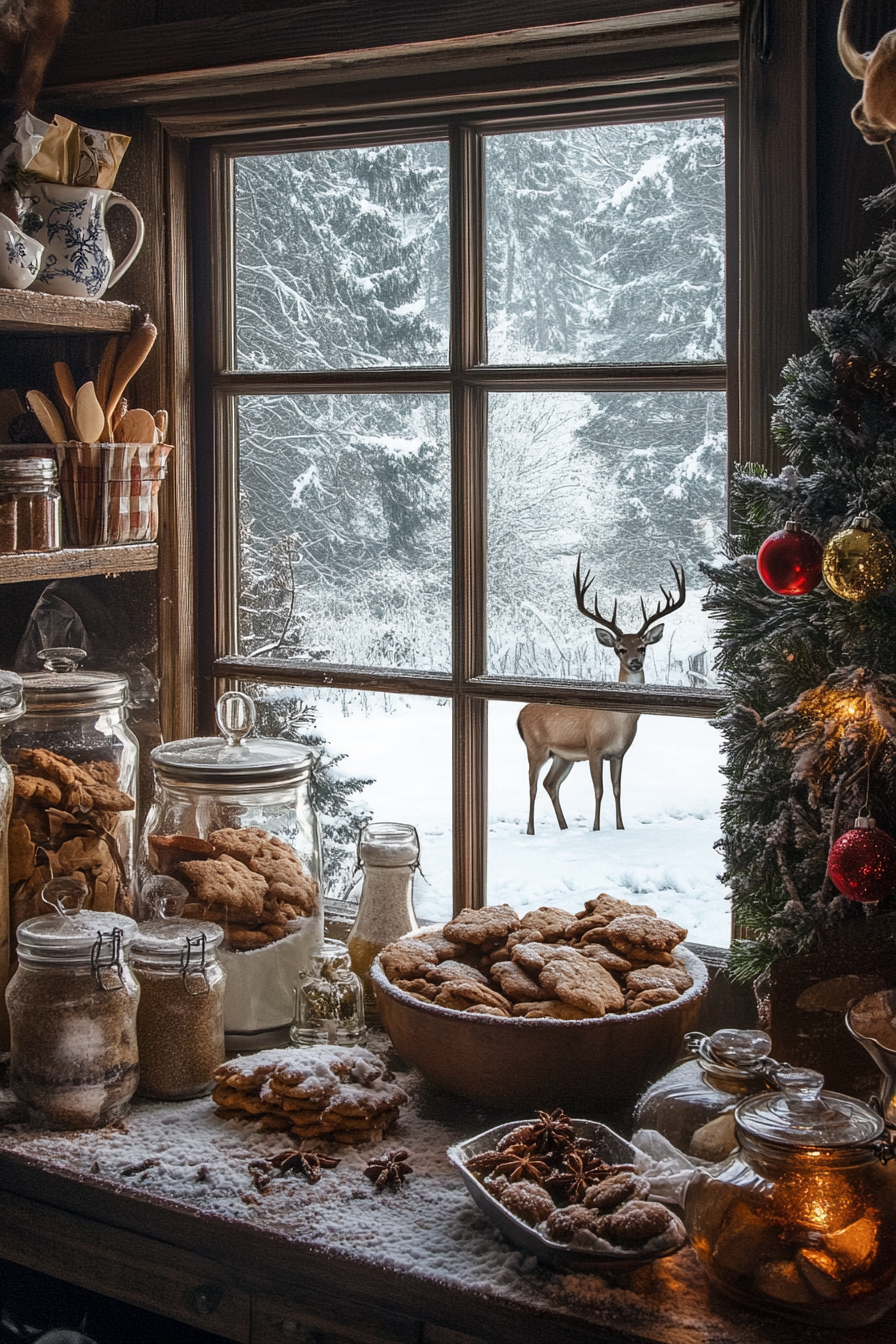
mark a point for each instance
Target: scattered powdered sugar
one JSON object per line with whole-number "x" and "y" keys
{"x": 186, "y": 1154}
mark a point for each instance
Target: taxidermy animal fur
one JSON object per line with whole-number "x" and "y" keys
{"x": 29, "y": 31}
{"x": 875, "y": 114}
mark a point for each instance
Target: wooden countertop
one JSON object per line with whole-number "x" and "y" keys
{"x": 161, "y": 1212}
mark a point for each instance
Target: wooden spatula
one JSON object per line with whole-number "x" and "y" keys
{"x": 129, "y": 361}
{"x": 49, "y": 417}
{"x": 137, "y": 426}
{"x": 88, "y": 415}
{"x": 161, "y": 419}
{"x": 106, "y": 369}
{"x": 65, "y": 385}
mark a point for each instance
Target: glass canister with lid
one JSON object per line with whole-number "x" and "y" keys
{"x": 801, "y": 1218}
{"x": 11, "y": 708}
{"x": 693, "y": 1106}
{"x": 73, "y": 1013}
{"x": 180, "y": 1021}
{"x": 234, "y": 822}
{"x": 75, "y": 765}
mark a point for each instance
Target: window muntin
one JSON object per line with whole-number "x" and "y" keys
{"x": 342, "y": 258}
{"x": 606, "y": 244}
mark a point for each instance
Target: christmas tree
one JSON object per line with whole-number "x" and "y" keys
{"x": 810, "y": 671}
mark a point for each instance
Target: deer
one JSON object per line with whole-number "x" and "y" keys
{"x": 565, "y": 734}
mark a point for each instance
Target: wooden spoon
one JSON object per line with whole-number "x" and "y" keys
{"x": 129, "y": 361}
{"x": 65, "y": 385}
{"x": 89, "y": 416}
{"x": 105, "y": 371}
{"x": 136, "y": 427}
{"x": 49, "y": 417}
{"x": 161, "y": 419}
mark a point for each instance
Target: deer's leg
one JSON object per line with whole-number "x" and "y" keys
{"x": 596, "y": 766}
{"x": 560, "y": 768}
{"x": 616, "y": 781}
{"x": 536, "y": 761}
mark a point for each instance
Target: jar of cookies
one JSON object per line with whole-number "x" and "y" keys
{"x": 234, "y": 822}
{"x": 693, "y": 1106}
{"x": 73, "y": 1012}
{"x": 74, "y": 759}
{"x": 801, "y": 1218}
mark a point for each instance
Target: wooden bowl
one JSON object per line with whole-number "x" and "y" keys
{"x": 541, "y": 1063}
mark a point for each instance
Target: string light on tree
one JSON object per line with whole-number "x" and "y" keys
{"x": 789, "y": 561}
{"x": 862, "y": 862}
{"x": 859, "y": 562}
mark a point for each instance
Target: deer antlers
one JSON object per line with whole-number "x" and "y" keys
{"x": 875, "y": 113}
{"x": 671, "y": 604}
{"x": 582, "y": 587}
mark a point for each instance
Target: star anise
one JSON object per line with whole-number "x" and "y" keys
{"x": 579, "y": 1172}
{"x": 553, "y": 1132}
{"x": 388, "y": 1169}
{"x": 309, "y": 1164}
{"x": 519, "y": 1163}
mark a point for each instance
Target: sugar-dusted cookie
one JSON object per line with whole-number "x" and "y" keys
{"x": 479, "y": 926}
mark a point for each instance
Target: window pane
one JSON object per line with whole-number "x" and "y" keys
{"x": 605, "y": 244}
{"x": 345, "y": 549}
{"x": 382, "y": 758}
{"x": 342, "y": 258}
{"x": 630, "y": 480}
{"x": 671, "y": 793}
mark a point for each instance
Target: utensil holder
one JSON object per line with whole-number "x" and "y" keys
{"x": 110, "y": 491}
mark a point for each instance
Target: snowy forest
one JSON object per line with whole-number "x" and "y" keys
{"x": 604, "y": 244}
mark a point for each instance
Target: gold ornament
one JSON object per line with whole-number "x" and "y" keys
{"x": 859, "y": 562}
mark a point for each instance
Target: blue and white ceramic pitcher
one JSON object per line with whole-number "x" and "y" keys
{"x": 70, "y": 222}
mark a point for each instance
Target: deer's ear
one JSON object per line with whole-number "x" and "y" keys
{"x": 605, "y": 637}
{"x": 654, "y": 635}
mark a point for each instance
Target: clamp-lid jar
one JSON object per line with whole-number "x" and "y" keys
{"x": 73, "y": 1012}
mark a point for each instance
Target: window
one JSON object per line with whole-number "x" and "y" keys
{"x": 451, "y": 357}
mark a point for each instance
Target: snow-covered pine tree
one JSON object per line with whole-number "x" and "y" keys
{"x": 811, "y": 723}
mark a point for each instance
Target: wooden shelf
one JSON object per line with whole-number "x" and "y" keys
{"x": 78, "y": 563}
{"x": 28, "y": 313}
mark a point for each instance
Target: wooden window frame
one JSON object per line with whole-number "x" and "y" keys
{"x": 599, "y": 65}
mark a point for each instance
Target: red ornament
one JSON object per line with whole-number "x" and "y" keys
{"x": 862, "y": 863}
{"x": 789, "y": 561}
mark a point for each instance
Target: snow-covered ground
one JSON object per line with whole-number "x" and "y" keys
{"x": 671, "y": 794}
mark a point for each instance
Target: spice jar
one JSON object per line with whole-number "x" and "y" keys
{"x": 73, "y": 1013}
{"x": 75, "y": 762}
{"x": 330, "y": 1001}
{"x": 180, "y": 1021}
{"x": 388, "y": 853}
{"x": 11, "y": 708}
{"x": 30, "y": 506}
{"x": 234, "y": 822}
{"x": 801, "y": 1219}
{"x": 693, "y": 1106}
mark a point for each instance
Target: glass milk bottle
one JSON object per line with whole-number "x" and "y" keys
{"x": 388, "y": 854}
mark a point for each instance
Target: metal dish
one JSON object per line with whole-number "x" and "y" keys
{"x": 611, "y": 1148}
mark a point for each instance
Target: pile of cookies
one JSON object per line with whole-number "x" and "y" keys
{"x": 560, "y": 1185}
{"x": 612, "y": 957}
{"x": 68, "y": 820}
{"x": 322, "y": 1091}
{"x": 247, "y": 880}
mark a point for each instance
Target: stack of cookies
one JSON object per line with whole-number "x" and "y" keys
{"x": 611, "y": 957}
{"x": 323, "y": 1091}
{"x": 244, "y": 878}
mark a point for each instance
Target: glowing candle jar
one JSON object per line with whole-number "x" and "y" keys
{"x": 801, "y": 1219}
